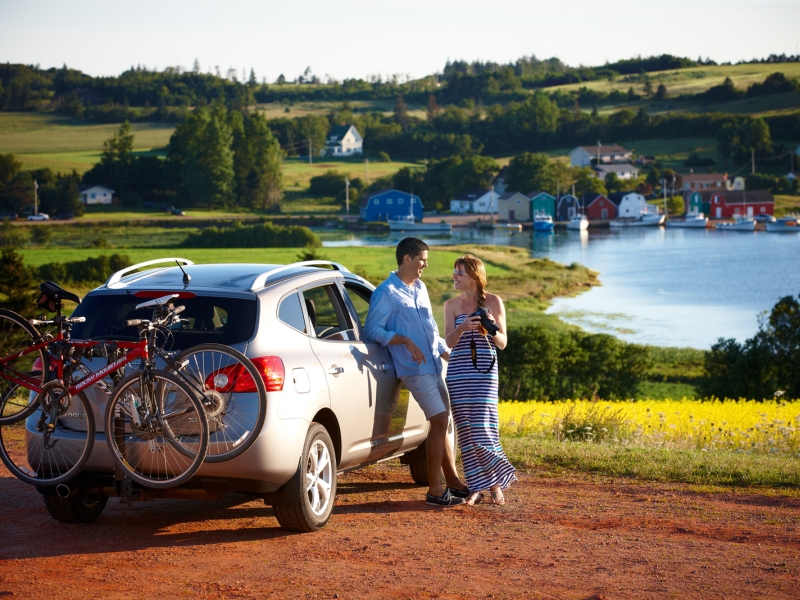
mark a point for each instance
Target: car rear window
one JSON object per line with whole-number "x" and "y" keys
{"x": 206, "y": 319}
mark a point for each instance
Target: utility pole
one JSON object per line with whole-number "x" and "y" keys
{"x": 752, "y": 161}
{"x": 346, "y": 196}
{"x": 35, "y": 197}
{"x": 309, "y": 151}
{"x": 598, "y": 153}
{"x": 367, "y": 161}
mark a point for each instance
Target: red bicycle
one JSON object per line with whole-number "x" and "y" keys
{"x": 155, "y": 426}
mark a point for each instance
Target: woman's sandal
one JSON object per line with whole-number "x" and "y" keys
{"x": 475, "y": 498}
{"x": 497, "y": 496}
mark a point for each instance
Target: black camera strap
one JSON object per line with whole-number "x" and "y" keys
{"x": 473, "y": 348}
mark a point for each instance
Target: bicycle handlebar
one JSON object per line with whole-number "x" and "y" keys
{"x": 132, "y": 322}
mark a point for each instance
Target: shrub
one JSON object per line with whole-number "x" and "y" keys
{"x": 261, "y": 235}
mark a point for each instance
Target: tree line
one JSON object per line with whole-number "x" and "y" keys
{"x": 216, "y": 157}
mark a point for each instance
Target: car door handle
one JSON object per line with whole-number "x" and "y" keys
{"x": 334, "y": 370}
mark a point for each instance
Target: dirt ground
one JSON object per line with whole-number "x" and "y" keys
{"x": 567, "y": 537}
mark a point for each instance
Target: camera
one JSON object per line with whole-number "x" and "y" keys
{"x": 490, "y": 327}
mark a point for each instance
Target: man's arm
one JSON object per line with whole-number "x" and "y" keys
{"x": 380, "y": 309}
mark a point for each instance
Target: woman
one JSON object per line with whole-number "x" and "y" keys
{"x": 472, "y": 380}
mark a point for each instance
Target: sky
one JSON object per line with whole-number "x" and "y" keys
{"x": 363, "y": 38}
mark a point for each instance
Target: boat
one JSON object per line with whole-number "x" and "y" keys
{"x": 692, "y": 220}
{"x": 578, "y": 223}
{"x": 644, "y": 220}
{"x": 408, "y": 223}
{"x": 507, "y": 226}
{"x": 740, "y": 223}
{"x": 787, "y": 224}
{"x": 543, "y": 223}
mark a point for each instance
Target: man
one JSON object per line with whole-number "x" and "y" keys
{"x": 400, "y": 317}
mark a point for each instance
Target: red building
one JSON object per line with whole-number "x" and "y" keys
{"x": 724, "y": 204}
{"x": 598, "y": 207}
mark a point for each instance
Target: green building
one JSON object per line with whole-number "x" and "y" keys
{"x": 542, "y": 203}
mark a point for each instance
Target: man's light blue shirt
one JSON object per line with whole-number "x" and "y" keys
{"x": 399, "y": 309}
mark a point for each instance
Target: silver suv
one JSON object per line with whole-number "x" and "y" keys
{"x": 334, "y": 402}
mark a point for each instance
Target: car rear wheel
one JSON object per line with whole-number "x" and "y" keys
{"x": 80, "y": 508}
{"x": 312, "y": 509}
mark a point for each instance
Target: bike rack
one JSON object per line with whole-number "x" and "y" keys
{"x": 260, "y": 281}
{"x": 117, "y": 277}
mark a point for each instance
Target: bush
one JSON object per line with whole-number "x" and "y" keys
{"x": 548, "y": 365}
{"x": 92, "y": 270}
{"x": 327, "y": 185}
{"x": 262, "y": 235}
{"x": 383, "y": 157}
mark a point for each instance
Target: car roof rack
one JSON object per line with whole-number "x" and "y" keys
{"x": 260, "y": 281}
{"x": 117, "y": 277}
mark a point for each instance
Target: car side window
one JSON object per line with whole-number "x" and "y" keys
{"x": 359, "y": 296}
{"x": 329, "y": 320}
{"x": 290, "y": 312}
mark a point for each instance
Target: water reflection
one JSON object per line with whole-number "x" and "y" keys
{"x": 675, "y": 287}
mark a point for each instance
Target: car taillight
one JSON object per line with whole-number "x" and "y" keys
{"x": 235, "y": 378}
{"x": 37, "y": 364}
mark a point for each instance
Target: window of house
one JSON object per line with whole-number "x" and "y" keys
{"x": 388, "y": 201}
{"x": 400, "y": 201}
{"x": 376, "y": 201}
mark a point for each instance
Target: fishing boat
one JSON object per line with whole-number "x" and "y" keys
{"x": 408, "y": 223}
{"x": 739, "y": 223}
{"x": 542, "y": 222}
{"x": 787, "y": 224}
{"x": 692, "y": 220}
{"x": 647, "y": 219}
{"x": 578, "y": 223}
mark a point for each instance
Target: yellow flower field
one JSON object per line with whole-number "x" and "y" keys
{"x": 741, "y": 425}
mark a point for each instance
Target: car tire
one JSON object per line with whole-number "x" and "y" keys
{"x": 80, "y": 508}
{"x": 311, "y": 509}
{"x": 419, "y": 472}
{"x": 419, "y": 468}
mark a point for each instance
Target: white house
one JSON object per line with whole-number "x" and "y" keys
{"x": 631, "y": 204}
{"x": 96, "y": 194}
{"x": 344, "y": 140}
{"x": 475, "y": 201}
{"x": 582, "y": 155}
{"x": 622, "y": 171}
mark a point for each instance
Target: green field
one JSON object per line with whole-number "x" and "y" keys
{"x": 691, "y": 81}
{"x": 41, "y": 140}
{"x": 297, "y": 174}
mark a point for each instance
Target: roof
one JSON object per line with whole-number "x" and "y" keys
{"x": 740, "y": 196}
{"x": 692, "y": 177}
{"x": 587, "y": 199}
{"x": 615, "y": 168}
{"x": 338, "y": 131}
{"x": 365, "y": 200}
{"x": 605, "y": 149}
{"x": 84, "y": 187}
{"x": 509, "y": 195}
{"x": 471, "y": 195}
{"x": 533, "y": 194}
{"x": 617, "y": 197}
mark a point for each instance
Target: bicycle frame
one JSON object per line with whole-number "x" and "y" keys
{"x": 137, "y": 349}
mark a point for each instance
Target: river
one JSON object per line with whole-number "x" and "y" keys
{"x": 665, "y": 287}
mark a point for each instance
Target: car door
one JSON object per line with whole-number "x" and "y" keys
{"x": 343, "y": 357}
{"x": 399, "y": 423}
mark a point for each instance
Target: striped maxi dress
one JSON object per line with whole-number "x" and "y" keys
{"x": 473, "y": 398}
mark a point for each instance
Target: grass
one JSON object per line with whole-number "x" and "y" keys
{"x": 297, "y": 174}
{"x": 710, "y": 443}
{"x": 786, "y": 204}
{"x": 720, "y": 468}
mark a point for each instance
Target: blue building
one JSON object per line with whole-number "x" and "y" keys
{"x": 390, "y": 204}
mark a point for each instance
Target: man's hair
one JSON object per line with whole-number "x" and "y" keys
{"x": 411, "y": 246}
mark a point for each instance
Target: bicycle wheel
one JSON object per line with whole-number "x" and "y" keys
{"x": 233, "y": 395}
{"x": 52, "y": 444}
{"x": 157, "y": 434}
{"x": 16, "y": 334}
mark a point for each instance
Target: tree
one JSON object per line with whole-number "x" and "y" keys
{"x": 587, "y": 182}
{"x": 16, "y": 283}
{"x": 529, "y": 172}
{"x": 648, "y": 87}
{"x": 400, "y": 111}
{"x": 208, "y": 172}
{"x": 661, "y": 92}
{"x": 117, "y": 153}
{"x": 614, "y": 183}
{"x": 432, "y": 108}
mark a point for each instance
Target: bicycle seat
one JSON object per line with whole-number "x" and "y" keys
{"x": 52, "y": 295}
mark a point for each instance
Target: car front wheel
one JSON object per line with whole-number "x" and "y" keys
{"x": 312, "y": 508}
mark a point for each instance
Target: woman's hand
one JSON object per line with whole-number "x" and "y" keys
{"x": 471, "y": 324}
